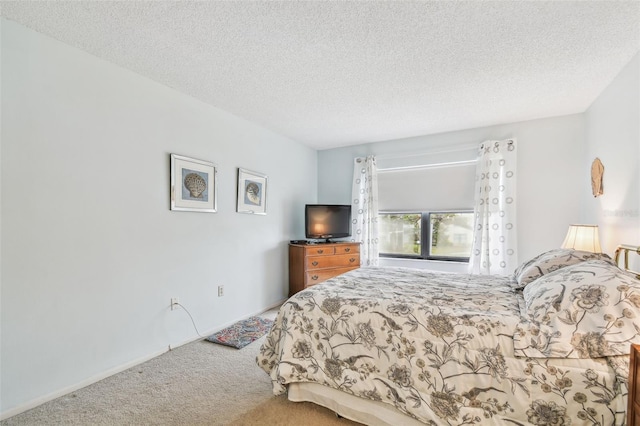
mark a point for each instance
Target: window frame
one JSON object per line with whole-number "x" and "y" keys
{"x": 425, "y": 236}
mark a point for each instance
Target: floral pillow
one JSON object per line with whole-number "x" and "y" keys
{"x": 586, "y": 310}
{"x": 550, "y": 261}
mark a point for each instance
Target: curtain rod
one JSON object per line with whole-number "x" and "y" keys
{"x": 428, "y": 166}
{"x": 468, "y": 147}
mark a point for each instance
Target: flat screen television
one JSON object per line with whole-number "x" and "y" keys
{"x": 324, "y": 221}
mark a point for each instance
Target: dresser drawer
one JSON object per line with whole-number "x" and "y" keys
{"x": 316, "y": 277}
{"x": 337, "y": 261}
{"x": 348, "y": 249}
{"x": 320, "y": 250}
{"x": 311, "y": 264}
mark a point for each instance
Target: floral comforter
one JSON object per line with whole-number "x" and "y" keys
{"x": 438, "y": 347}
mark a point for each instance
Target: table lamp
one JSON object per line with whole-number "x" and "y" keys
{"x": 583, "y": 237}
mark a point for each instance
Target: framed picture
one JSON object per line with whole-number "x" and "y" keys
{"x": 252, "y": 192}
{"x": 193, "y": 185}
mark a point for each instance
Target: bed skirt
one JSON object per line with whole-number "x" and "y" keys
{"x": 351, "y": 407}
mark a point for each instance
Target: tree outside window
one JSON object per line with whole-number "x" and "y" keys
{"x": 426, "y": 235}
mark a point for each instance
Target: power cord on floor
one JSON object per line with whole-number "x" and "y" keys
{"x": 192, "y": 321}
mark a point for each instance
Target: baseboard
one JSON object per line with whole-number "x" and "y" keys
{"x": 84, "y": 383}
{"x": 93, "y": 379}
{"x": 275, "y": 305}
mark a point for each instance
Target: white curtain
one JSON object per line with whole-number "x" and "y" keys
{"x": 364, "y": 209}
{"x": 494, "y": 239}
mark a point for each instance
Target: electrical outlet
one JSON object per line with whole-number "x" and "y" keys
{"x": 174, "y": 303}
{"x": 220, "y": 290}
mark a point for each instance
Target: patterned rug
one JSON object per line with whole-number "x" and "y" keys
{"x": 242, "y": 333}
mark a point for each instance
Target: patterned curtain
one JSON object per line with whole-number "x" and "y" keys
{"x": 364, "y": 209}
{"x": 494, "y": 238}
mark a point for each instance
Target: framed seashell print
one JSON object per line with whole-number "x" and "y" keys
{"x": 252, "y": 192}
{"x": 193, "y": 185}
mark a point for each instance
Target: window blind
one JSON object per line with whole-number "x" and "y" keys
{"x": 443, "y": 187}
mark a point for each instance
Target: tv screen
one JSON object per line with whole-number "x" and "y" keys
{"x": 327, "y": 221}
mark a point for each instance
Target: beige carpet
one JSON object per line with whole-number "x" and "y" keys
{"x": 279, "y": 411}
{"x": 201, "y": 383}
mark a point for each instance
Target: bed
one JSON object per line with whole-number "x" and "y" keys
{"x": 546, "y": 346}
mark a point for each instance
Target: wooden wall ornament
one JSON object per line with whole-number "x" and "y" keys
{"x": 597, "y": 170}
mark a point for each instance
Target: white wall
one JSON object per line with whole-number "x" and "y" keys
{"x": 613, "y": 135}
{"x": 91, "y": 253}
{"x": 550, "y": 160}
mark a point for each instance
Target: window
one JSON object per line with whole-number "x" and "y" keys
{"x": 399, "y": 234}
{"x": 425, "y": 204}
{"x": 426, "y": 235}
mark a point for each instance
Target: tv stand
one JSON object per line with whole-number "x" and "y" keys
{"x": 313, "y": 263}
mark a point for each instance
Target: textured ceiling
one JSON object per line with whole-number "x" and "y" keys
{"x": 339, "y": 73}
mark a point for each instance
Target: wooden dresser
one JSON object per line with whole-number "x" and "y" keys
{"x": 311, "y": 264}
{"x": 633, "y": 407}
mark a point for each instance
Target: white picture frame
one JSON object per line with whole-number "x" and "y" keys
{"x": 252, "y": 192}
{"x": 194, "y": 185}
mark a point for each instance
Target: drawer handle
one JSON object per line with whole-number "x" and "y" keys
{"x": 347, "y": 249}
{"x": 314, "y": 277}
{"x": 353, "y": 259}
{"x": 314, "y": 263}
{"x": 320, "y": 251}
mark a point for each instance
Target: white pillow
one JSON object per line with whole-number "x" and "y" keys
{"x": 551, "y": 261}
{"x": 586, "y": 310}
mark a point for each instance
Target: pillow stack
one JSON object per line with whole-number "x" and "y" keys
{"x": 576, "y": 305}
{"x": 551, "y": 261}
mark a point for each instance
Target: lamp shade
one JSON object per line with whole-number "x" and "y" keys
{"x": 583, "y": 237}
